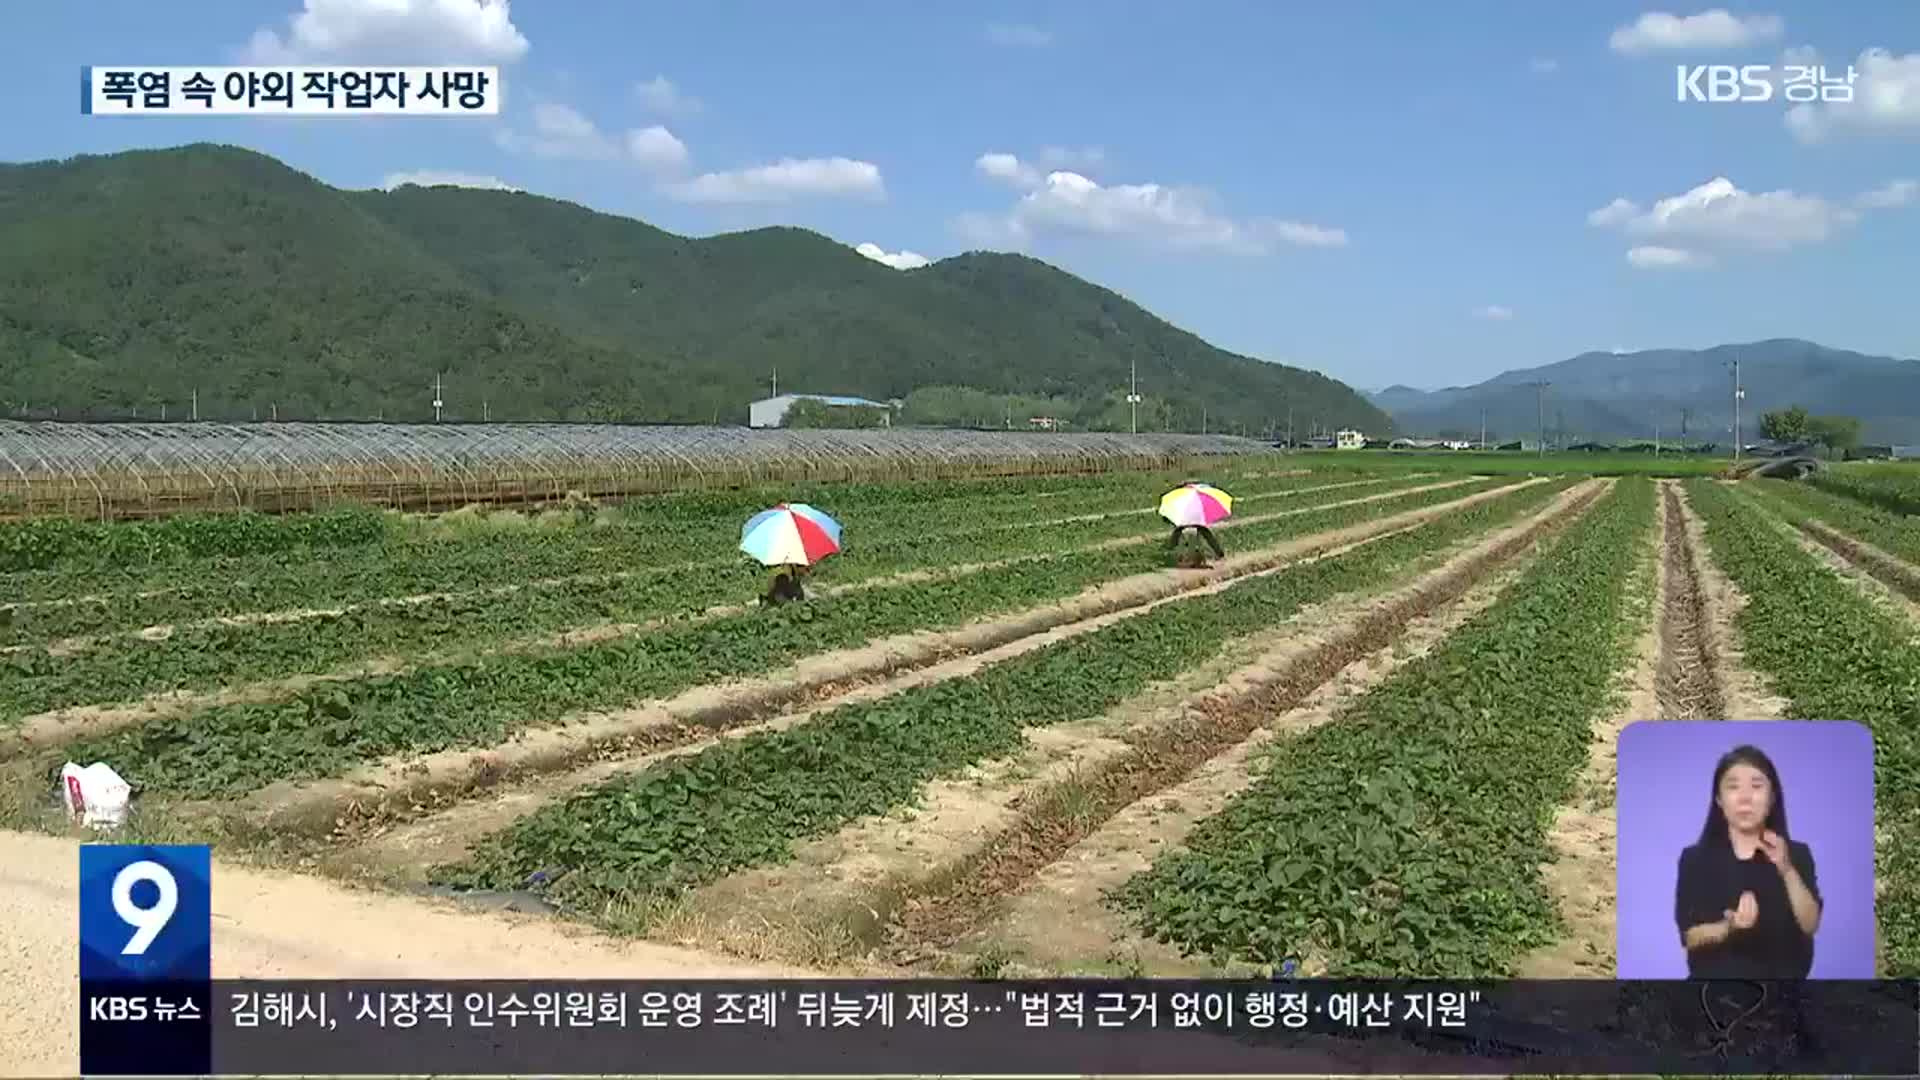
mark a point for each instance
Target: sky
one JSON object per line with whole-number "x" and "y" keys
{"x": 1396, "y": 192}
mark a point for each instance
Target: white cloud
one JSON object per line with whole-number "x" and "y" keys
{"x": 1617, "y": 212}
{"x": 1494, "y": 313}
{"x": 430, "y": 178}
{"x": 1690, "y": 228}
{"x": 1890, "y": 196}
{"x": 561, "y": 131}
{"x": 1715, "y": 29}
{"x": 393, "y": 31}
{"x": 656, "y": 149}
{"x": 1886, "y": 100}
{"x": 899, "y": 260}
{"x": 1655, "y": 257}
{"x": 1543, "y": 65}
{"x": 1170, "y": 216}
{"x": 1007, "y": 167}
{"x": 783, "y": 180}
{"x": 661, "y": 96}
{"x": 1018, "y": 35}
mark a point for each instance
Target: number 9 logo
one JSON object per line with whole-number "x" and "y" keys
{"x": 147, "y": 922}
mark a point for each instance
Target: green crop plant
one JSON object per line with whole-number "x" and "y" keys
{"x": 744, "y": 802}
{"x": 1405, "y": 837}
{"x": 1834, "y": 656}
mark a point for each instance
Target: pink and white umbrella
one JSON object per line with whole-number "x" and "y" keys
{"x": 1196, "y": 504}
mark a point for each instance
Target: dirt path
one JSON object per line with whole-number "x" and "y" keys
{"x": 162, "y": 631}
{"x": 1665, "y": 602}
{"x": 935, "y": 917}
{"x": 1688, "y": 682}
{"x": 61, "y": 725}
{"x": 1892, "y": 571}
{"x": 1061, "y": 923}
{"x": 1744, "y": 692}
{"x": 406, "y": 848}
{"x": 268, "y": 924}
{"x": 1686, "y": 666}
{"x": 1889, "y": 584}
{"x": 397, "y": 785}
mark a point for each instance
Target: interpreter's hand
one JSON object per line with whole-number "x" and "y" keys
{"x": 1746, "y": 912}
{"x": 1776, "y": 848}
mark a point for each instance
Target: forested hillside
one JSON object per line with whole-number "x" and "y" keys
{"x": 132, "y": 280}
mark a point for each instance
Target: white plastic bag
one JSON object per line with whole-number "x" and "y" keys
{"x": 96, "y": 794}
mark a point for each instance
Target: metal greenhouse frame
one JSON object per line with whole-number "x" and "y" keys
{"x": 116, "y": 470}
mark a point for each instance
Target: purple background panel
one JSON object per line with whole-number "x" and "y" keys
{"x": 1665, "y": 782}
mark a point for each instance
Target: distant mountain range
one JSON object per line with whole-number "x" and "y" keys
{"x": 132, "y": 281}
{"x": 1603, "y": 395}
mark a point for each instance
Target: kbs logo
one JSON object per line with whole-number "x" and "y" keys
{"x": 1756, "y": 82}
{"x": 1725, "y": 82}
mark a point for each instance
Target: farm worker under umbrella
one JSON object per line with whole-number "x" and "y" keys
{"x": 791, "y": 537}
{"x": 1194, "y": 505}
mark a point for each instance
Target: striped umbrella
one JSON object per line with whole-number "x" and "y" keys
{"x": 790, "y": 534}
{"x": 1196, "y": 504}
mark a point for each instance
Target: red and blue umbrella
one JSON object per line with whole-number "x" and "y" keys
{"x": 791, "y": 534}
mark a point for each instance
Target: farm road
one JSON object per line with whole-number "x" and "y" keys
{"x": 270, "y": 924}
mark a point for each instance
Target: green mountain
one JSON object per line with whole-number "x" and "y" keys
{"x": 1601, "y": 395}
{"x": 135, "y": 279}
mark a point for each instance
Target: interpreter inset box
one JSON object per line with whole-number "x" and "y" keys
{"x": 1745, "y": 850}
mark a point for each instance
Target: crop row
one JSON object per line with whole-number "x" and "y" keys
{"x": 213, "y": 655}
{"x": 1891, "y": 532}
{"x": 1894, "y": 488}
{"x": 1406, "y": 837}
{"x": 464, "y": 562}
{"x": 130, "y": 553}
{"x": 322, "y": 732}
{"x": 93, "y": 546}
{"x": 692, "y": 819}
{"x": 1834, "y": 656}
{"x": 43, "y": 543}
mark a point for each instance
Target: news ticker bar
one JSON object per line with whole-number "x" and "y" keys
{"x": 290, "y": 91}
{"x": 1055, "y": 1027}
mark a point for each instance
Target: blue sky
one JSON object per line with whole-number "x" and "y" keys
{"x": 1392, "y": 192}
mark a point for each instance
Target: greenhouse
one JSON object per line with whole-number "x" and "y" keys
{"x": 137, "y": 470}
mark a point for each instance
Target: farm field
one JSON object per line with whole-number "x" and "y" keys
{"x": 1006, "y": 735}
{"x": 1506, "y": 462}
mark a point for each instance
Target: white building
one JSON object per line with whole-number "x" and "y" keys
{"x": 771, "y": 412}
{"x": 1349, "y": 439}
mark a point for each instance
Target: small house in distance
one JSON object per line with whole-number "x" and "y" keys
{"x": 772, "y": 412}
{"x": 1349, "y": 439}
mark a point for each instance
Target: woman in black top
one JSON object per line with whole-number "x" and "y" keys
{"x": 1747, "y": 902}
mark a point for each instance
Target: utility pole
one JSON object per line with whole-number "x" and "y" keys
{"x": 196, "y": 405}
{"x": 1203, "y": 419}
{"x": 1133, "y": 392}
{"x": 437, "y": 399}
{"x": 1685, "y": 415}
{"x": 1738, "y": 393}
{"x": 1483, "y": 429}
{"x": 1540, "y": 404}
{"x": 776, "y": 380}
{"x": 276, "y": 410}
{"x": 1289, "y": 427}
{"x": 486, "y": 412}
{"x": 163, "y": 412}
{"x": 1656, "y": 438}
